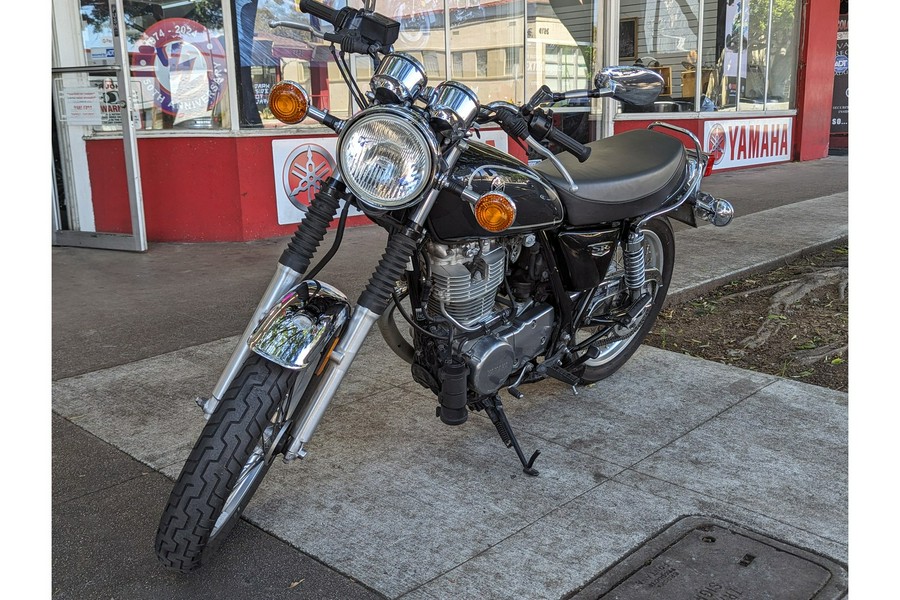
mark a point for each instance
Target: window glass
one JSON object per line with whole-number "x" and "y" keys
{"x": 665, "y": 36}
{"x": 754, "y": 57}
{"x": 267, "y": 55}
{"x": 486, "y": 47}
{"x": 177, "y": 60}
{"x": 421, "y": 33}
{"x": 560, "y": 48}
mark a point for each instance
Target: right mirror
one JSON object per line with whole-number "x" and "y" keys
{"x": 632, "y": 85}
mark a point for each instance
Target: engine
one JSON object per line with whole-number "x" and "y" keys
{"x": 464, "y": 280}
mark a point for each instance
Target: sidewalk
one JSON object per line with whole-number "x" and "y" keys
{"x": 390, "y": 502}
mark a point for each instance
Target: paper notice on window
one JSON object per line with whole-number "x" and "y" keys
{"x": 82, "y": 106}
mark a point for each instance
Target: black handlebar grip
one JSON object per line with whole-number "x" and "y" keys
{"x": 581, "y": 152}
{"x": 318, "y": 9}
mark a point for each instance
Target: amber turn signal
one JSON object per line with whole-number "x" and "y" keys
{"x": 495, "y": 212}
{"x": 289, "y": 102}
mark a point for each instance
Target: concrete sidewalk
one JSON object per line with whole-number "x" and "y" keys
{"x": 390, "y": 502}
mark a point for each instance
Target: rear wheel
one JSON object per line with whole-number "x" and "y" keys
{"x": 659, "y": 258}
{"x": 226, "y": 466}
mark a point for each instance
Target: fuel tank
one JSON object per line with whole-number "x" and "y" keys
{"x": 484, "y": 168}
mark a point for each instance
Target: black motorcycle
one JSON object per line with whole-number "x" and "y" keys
{"x": 502, "y": 274}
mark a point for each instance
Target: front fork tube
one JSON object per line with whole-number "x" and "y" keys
{"x": 338, "y": 363}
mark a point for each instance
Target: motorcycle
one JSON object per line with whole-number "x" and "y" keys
{"x": 502, "y": 273}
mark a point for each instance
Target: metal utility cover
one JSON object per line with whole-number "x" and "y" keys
{"x": 699, "y": 558}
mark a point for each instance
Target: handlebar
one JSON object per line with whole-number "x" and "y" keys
{"x": 358, "y": 31}
{"x": 317, "y": 9}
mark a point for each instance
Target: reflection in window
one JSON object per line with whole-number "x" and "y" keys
{"x": 754, "y": 55}
{"x": 560, "y": 46}
{"x": 268, "y": 55}
{"x": 667, "y": 37}
{"x": 177, "y": 59}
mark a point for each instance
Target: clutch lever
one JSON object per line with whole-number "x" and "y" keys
{"x": 299, "y": 26}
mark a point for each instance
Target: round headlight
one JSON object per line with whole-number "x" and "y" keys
{"x": 387, "y": 159}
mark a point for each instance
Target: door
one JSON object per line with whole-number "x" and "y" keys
{"x": 90, "y": 74}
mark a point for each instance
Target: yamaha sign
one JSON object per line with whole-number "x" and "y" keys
{"x": 747, "y": 142}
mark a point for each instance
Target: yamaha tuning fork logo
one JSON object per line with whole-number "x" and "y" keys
{"x": 716, "y": 142}
{"x": 304, "y": 171}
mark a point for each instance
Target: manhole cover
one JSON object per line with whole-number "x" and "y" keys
{"x": 699, "y": 558}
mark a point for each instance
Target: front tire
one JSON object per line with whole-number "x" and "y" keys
{"x": 659, "y": 249}
{"x": 225, "y": 467}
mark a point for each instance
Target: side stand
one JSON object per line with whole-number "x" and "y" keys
{"x": 494, "y": 409}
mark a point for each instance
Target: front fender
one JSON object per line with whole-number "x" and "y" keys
{"x": 296, "y": 330}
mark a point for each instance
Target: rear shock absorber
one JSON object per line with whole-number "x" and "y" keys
{"x": 634, "y": 263}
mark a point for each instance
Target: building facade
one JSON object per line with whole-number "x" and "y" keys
{"x": 199, "y": 156}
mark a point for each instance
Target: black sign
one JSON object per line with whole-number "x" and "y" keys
{"x": 840, "y": 110}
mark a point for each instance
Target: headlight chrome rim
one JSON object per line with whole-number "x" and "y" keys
{"x": 406, "y": 118}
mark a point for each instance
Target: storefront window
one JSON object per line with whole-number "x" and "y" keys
{"x": 267, "y": 55}
{"x": 486, "y": 48}
{"x": 421, "y": 33}
{"x": 561, "y": 45}
{"x": 177, "y": 60}
{"x": 664, "y": 35}
{"x": 754, "y": 56}
{"x": 745, "y": 52}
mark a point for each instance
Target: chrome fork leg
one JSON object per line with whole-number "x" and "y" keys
{"x": 284, "y": 279}
{"x": 339, "y": 362}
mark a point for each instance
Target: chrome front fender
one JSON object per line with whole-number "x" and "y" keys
{"x": 294, "y": 332}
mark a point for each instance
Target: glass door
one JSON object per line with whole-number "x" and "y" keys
{"x": 97, "y": 200}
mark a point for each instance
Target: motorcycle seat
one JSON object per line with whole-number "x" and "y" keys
{"x": 626, "y": 175}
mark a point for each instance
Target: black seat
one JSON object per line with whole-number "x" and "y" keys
{"x": 628, "y": 174}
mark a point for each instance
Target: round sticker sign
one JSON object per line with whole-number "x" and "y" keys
{"x": 181, "y": 66}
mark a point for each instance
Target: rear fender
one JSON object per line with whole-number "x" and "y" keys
{"x": 306, "y": 321}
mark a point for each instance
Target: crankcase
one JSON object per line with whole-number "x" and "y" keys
{"x": 493, "y": 358}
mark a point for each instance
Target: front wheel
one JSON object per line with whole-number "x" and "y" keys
{"x": 226, "y": 466}
{"x": 614, "y": 350}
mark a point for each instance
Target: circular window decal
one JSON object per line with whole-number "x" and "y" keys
{"x": 180, "y": 66}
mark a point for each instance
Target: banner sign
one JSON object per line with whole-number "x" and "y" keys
{"x": 746, "y": 142}
{"x": 840, "y": 105}
{"x": 301, "y": 165}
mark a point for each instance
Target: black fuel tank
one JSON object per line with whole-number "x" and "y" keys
{"x": 484, "y": 168}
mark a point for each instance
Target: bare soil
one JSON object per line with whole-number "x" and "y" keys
{"x": 791, "y": 322}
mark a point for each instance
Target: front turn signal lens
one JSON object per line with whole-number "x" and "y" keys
{"x": 289, "y": 102}
{"x": 495, "y": 212}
